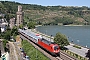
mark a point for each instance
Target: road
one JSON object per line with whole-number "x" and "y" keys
{"x": 1, "y": 47}
{"x": 80, "y": 52}
{"x": 13, "y": 53}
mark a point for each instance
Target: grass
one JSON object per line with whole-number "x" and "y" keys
{"x": 32, "y": 52}
{"x": 76, "y": 46}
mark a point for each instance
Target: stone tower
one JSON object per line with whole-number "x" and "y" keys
{"x": 12, "y": 22}
{"x": 19, "y": 13}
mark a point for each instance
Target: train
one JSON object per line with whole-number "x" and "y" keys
{"x": 51, "y": 47}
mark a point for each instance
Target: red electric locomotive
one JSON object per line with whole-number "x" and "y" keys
{"x": 53, "y": 48}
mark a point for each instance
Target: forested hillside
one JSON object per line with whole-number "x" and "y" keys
{"x": 50, "y": 15}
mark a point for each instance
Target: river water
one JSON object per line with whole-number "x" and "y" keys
{"x": 78, "y": 34}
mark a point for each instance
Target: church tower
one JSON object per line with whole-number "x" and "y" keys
{"x": 19, "y": 13}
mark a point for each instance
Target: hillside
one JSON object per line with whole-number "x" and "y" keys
{"x": 51, "y": 15}
{"x": 66, "y": 15}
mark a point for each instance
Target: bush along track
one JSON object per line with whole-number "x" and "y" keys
{"x": 32, "y": 52}
{"x": 76, "y": 46}
{"x": 75, "y": 55}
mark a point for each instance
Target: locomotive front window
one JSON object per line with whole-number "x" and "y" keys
{"x": 56, "y": 47}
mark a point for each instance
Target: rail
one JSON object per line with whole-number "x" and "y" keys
{"x": 66, "y": 56}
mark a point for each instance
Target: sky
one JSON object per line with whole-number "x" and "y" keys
{"x": 55, "y": 2}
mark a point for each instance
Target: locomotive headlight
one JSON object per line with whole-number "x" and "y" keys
{"x": 54, "y": 51}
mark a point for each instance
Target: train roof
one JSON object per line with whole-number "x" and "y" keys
{"x": 30, "y": 34}
{"x": 33, "y": 35}
{"x": 47, "y": 42}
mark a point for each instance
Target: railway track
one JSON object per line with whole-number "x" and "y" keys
{"x": 63, "y": 56}
{"x": 40, "y": 49}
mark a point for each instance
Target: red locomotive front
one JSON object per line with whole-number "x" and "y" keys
{"x": 53, "y": 48}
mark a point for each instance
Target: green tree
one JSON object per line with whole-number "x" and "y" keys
{"x": 14, "y": 31}
{"x": 61, "y": 39}
{"x": 31, "y": 25}
{"x": 7, "y": 35}
{"x": 4, "y": 45}
{"x": 21, "y": 26}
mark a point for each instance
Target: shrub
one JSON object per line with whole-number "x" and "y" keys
{"x": 77, "y": 46}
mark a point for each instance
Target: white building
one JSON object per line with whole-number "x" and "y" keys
{"x": 3, "y": 24}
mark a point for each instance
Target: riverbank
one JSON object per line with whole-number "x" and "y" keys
{"x": 38, "y": 26}
{"x": 73, "y": 25}
{"x": 76, "y": 25}
{"x": 61, "y": 25}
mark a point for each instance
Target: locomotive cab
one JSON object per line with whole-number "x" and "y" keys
{"x": 55, "y": 49}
